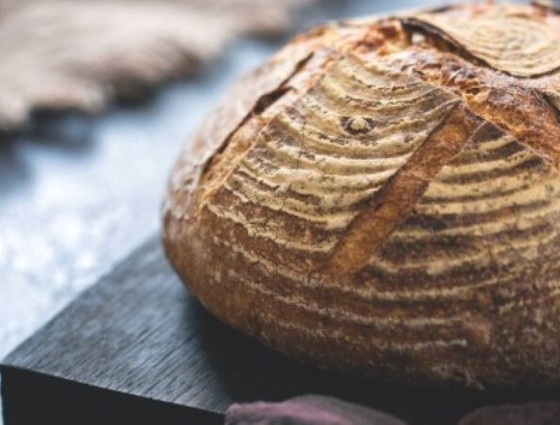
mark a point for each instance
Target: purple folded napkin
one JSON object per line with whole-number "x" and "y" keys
{"x": 307, "y": 410}
{"x": 319, "y": 410}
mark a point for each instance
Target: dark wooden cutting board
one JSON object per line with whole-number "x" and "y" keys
{"x": 138, "y": 348}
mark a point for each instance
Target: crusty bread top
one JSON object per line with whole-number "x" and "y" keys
{"x": 487, "y": 64}
{"x": 390, "y": 187}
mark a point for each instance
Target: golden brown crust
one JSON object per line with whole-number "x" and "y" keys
{"x": 383, "y": 197}
{"x": 516, "y": 39}
{"x": 370, "y": 229}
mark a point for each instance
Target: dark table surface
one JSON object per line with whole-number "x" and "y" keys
{"x": 78, "y": 193}
{"x": 138, "y": 345}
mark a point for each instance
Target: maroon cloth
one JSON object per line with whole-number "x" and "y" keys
{"x": 542, "y": 413}
{"x": 307, "y": 410}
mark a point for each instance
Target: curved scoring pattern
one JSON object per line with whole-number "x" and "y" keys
{"x": 520, "y": 41}
{"x": 307, "y": 175}
{"x": 483, "y": 225}
{"x": 482, "y": 247}
{"x": 388, "y": 204}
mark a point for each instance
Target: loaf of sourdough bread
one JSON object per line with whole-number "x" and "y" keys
{"x": 383, "y": 197}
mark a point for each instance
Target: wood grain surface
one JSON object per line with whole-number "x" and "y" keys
{"x": 138, "y": 344}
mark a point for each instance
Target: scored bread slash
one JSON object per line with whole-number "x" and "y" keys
{"x": 388, "y": 203}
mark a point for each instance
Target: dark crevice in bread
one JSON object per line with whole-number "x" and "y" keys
{"x": 225, "y": 161}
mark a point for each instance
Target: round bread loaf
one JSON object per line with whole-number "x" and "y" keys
{"x": 383, "y": 197}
